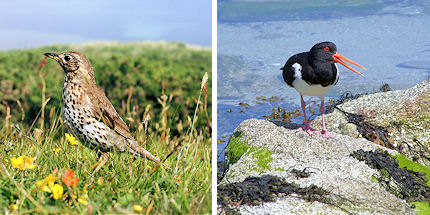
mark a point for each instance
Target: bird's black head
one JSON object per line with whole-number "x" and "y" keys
{"x": 326, "y": 52}
{"x": 323, "y": 52}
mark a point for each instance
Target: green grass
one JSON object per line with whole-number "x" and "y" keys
{"x": 133, "y": 76}
{"x": 167, "y": 99}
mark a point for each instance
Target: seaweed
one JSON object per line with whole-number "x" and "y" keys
{"x": 376, "y": 134}
{"x": 404, "y": 183}
{"x": 256, "y": 190}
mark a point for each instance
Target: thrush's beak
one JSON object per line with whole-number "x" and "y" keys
{"x": 53, "y": 56}
{"x": 338, "y": 59}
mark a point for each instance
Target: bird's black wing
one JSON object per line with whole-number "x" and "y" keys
{"x": 288, "y": 69}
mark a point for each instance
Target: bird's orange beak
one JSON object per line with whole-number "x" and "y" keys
{"x": 338, "y": 59}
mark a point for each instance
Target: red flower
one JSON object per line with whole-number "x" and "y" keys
{"x": 69, "y": 179}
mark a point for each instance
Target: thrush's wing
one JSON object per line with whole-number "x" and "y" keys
{"x": 105, "y": 112}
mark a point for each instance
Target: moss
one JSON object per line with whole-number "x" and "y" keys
{"x": 280, "y": 169}
{"x": 421, "y": 207}
{"x": 236, "y": 148}
{"x": 263, "y": 156}
{"x": 374, "y": 179}
{"x": 384, "y": 173}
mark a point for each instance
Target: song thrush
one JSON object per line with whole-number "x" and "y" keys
{"x": 89, "y": 113}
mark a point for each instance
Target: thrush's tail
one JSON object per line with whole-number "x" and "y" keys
{"x": 141, "y": 151}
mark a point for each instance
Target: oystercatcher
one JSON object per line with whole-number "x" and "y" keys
{"x": 313, "y": 73}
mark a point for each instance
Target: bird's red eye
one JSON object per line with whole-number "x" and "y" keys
{"x": 326, "y": 49}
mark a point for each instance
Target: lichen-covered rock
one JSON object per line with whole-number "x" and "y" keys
{"x": 351, "y": 183}
{"x": 405, "y": 114}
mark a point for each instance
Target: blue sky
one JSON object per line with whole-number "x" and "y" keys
{"x": 26, "y": 23}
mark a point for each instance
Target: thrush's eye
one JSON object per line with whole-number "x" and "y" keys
{"x": 67, "y": 58}
{"x": 326, "y": 49}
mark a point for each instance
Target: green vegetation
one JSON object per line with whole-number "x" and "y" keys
{"x": 405, "y": 162}
{"x": 422, "y": 207}
{"x": 264, "y": 157}
{"x": 133, "y": 76}
{"x": 155, "y": 88}
{"x": 236, "y": 148}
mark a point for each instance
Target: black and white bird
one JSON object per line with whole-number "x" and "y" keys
{"x": 313, "y": 73}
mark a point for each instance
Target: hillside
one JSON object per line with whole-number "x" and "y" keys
{"x": 156, "y": 87}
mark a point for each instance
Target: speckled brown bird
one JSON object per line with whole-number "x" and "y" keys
{"x": 89, "y": 113}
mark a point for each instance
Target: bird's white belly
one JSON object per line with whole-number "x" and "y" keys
{"x": 304, "y": 88}
{"x": 310, "y": 90}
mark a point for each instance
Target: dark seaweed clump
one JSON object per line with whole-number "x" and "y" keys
{"x": 346, "y": 96}
{"x": 256, "y": 190}
{"x": 376, "y": 134}
{"x": 404, "y": 183}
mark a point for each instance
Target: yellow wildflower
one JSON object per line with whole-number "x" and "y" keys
{"x": 83, "y": 200}
{"x": 14, "y": 207}
{"x": 137, "y": 208}
{"x": 23, "y": 162}
{"x": 17, "y": 162}
{"x": 100, "y": 180}
{"x": 47, "y": 184}
{"x": 85, "y": 188}
{"x": 57, "y": 191}
{"x": 71, "y": 139}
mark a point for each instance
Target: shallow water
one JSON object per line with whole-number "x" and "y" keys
{"x": 389, "y": 38}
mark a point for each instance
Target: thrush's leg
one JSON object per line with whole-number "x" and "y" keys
{"x": 103, "y": 158}
{"x": 306, "y": 127}
{"x": 324, "y": 130}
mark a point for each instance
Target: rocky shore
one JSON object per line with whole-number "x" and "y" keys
{"x": 403, "y": 114}
{"x": 319, "y": 175}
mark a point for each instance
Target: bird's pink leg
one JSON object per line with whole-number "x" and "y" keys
{"x": 306, "y": 127}
{"x": 324, "y": 130}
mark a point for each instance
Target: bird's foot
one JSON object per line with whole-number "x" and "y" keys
{"x": 307, "y": 129}
{"x": 326, "y": 134}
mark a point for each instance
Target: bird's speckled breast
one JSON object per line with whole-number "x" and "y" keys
{"x": 79, "y": 117}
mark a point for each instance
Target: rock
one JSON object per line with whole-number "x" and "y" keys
{"x": 404, "y": 113}
{"x": 270, "y": 149}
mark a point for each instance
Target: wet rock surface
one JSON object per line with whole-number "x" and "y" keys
{"x": 347, "y": 185}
